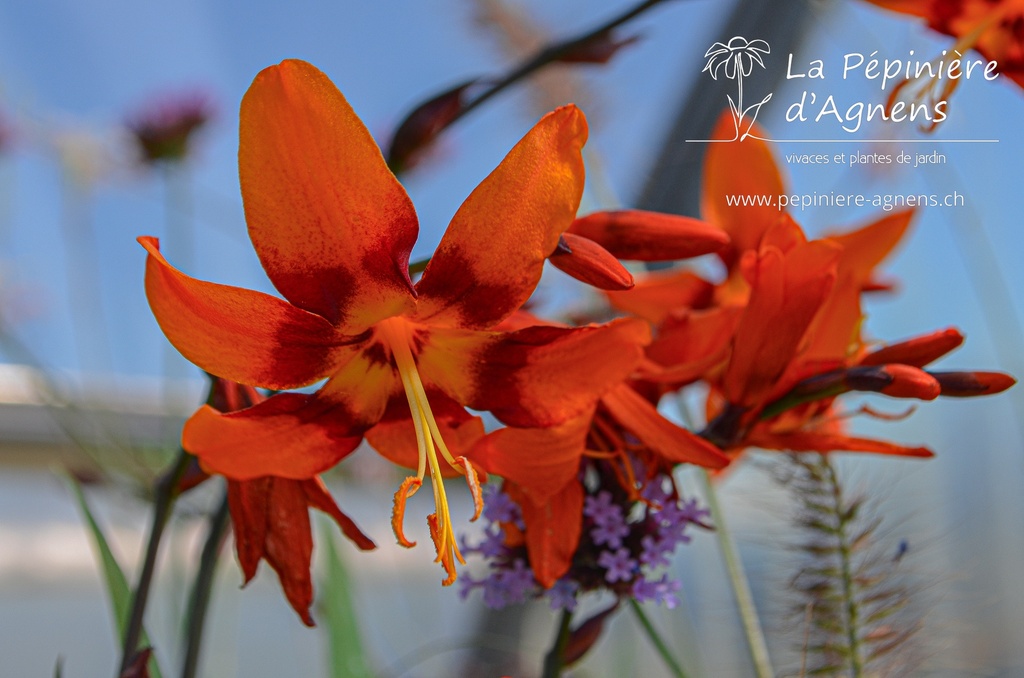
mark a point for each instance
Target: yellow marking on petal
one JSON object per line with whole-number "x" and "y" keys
{"x": 397, "y": 335}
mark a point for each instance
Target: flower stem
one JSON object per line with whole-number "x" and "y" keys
{"x": 544, "y": 57}
{"x": 553, "y": 661}
{"x": 200, "y": 600}
{"x": 163, "y": 501}
{"x": 740, "y": 586}
{"x": 659, "y": 643}
{"x": 846, "y": 572}
{"x": 166, "y": 492}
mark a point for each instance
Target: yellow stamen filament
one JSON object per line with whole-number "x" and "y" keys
{"x": 396, "y": 334}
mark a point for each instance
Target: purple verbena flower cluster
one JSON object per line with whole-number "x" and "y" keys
{"x": 624, "y": 548}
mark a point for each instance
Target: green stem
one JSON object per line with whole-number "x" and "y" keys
{"x": 741, "y": 588}
{"x": 659, "y": 643}
{"x": 163, "y": 502}
{"x": 200, "y": 601}
{"x": 846, "y": 569}
{"x": 553, "y": 661}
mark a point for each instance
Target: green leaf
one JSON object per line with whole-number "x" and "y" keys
{"x": 345, "y": 653}
{"x": 118, "y": 591}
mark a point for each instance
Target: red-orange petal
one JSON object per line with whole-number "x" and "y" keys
{"x": 835, "y": 332}
{"x": 553, "y": 530}
{"x": 665, "y": 439}
{"x": 492, "y": 255}
{"x": 650, "y": 236}
{"x": 289, "y": 544}
{"x": 239, "y": 334}
{"x": 542, "y": 376}
{"x": 248, "y": 502}
{"x": 787, "y": 292}
{"x": 318, "y": 497}
{"x": 688, "y": 345}
{"x": 329, "y": 221}
{"x": 539, "y": 460}
{"x": 291, "y": 435}
{"x": 658, "y": 294}
{"x": 590, "y": 263}
{"x": 734, "y": 168}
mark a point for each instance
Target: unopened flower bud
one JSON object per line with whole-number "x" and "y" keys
{"x": 918, "y": 351}
{"x": 967, "y": 384}
{"x": 898, "y": 381}
{"x": 599, "y": 49}
{"x": 588, "y": 262}
{"x": 650, "y": 236}
{"x": 419, "y": 129}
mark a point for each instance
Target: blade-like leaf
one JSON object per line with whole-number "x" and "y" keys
{"x": 118, "y": 590}
{"x": 346, "y": 656}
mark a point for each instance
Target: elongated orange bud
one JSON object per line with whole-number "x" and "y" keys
{"x": 588, "y": 262}
{"x": 898, "y": 381}
{"x": 918, "y": 351}
{"x": 911, "y": 382}
{"x": 967, "y": 384}
{"x": 650, "y": 236}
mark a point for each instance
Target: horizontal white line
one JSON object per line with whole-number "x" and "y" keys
{"x": 853, "y": 141}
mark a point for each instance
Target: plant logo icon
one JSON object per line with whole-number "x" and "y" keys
{"x": 736, "y": 59}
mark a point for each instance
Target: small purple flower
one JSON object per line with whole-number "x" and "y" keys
{"x": 662, "y": 591}
{"x": 562, "y": 595}
{"x": 499, "y": 507}
{"x": 601, "y": 509}
{"x": 618, "y": 565}
{"x": 611, "y": 531}
{"x": 656, "y": 493}
{"x": 654, "y": 553}
{"x": 508, "y": 586}
{"x": 693, "y": 512}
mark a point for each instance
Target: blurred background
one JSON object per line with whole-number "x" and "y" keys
{"x": 88, "y": 382}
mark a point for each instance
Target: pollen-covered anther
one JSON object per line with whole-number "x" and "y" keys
{"x": 397, "y": 334}
{"x": 473, "y": 481}
{"x": 408, "y": 488}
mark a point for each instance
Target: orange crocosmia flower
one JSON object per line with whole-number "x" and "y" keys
{"x": 993, "y": 27}
{"x": 541, "y": 467}
{"x": 790, "y": 279}
{"x": 333, "y": 229}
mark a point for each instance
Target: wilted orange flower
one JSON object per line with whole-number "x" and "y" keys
{"x": 333, "y": 229}
{"x": 270, "y": 515}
